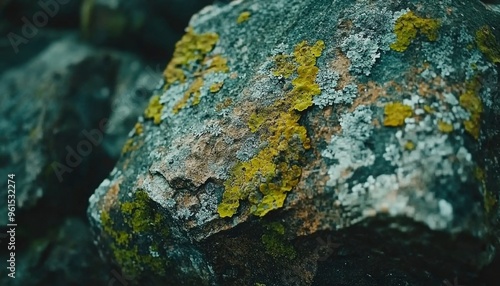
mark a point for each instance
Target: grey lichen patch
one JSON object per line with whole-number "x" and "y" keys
{"x": 370, "y": 35}
{"x": 363, "y": 52}
{"x": 249, "y": 149}
{"x": 328, "y": 82}
{"x": 348, "y": 150}
{"x": 377, "y": 23}
{"x": 444, "y": 55}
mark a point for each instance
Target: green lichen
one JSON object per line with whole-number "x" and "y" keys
{"x": 153, "y": 111}
{"x": 396, "y": 113}
{"x": 471, "y": 101}
{"x": 487, "y": 44}
{"x": 275, "y": 243}
{"x": 409, "y": 25}
{"x": 130, "y": 228}
{"x": 266, "y": 178}
{"x": 243, "y": 17}
{"x": 428, "y": 109}
{"x": 134, "y": 263}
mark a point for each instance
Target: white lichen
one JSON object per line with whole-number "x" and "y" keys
{"x": 349, "y": 150}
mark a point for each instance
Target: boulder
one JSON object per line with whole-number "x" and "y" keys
{"x": 305, "y": 142}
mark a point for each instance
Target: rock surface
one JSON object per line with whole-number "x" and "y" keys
{"x": 314, "y": 143}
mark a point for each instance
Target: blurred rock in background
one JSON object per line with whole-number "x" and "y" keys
{"x": 150, "y": 27}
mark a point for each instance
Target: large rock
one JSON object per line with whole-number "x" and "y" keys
{"x": 314, "y": 143}
{"x": 54, "y": 108}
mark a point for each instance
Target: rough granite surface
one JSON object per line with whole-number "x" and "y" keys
{"x": 305, "y": 142}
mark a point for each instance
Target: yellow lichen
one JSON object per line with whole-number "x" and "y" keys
{"x": 192, "y": 92}
{"x": 285, "y": 66}
{"x": 487, "y": 44}
{"x": 192, "y": 50}
{"x": 489, "y": 198}
{"x": 214, "y": 64}
{"x": 266, "y": 178}
{"x": 396, "y": 113}
{"x": 216, "y": 87}
{"x": 471, "y": 101}
{"x": 243, "y": 17}
{"x": 130, "y": 145}
{"x": 153, "y": 111}
{"x": 138, "y": 128}
{"x": 192, "y": 47}
{"x": 444, "y": 127}
{"x": 409, "y": 25}
{"x": 428, "y": 109}
{"x": 305, "y": 86}
{"x": 409, "y": 145}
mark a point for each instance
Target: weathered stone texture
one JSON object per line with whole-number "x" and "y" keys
{"x": 285, "y": 130}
